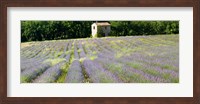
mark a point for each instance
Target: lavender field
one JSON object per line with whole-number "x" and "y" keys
{"x": 128, "y": 59}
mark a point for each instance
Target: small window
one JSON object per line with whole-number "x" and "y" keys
{"x": 105, "y": 28}
{"x": 93, "y": 27}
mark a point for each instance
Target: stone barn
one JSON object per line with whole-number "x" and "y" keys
{"x": 100, "y": 28}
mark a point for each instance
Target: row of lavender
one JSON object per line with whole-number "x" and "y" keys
{"x": 138, "y": 59}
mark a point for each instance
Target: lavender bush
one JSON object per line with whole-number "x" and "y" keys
{"x": 126, "y": 59}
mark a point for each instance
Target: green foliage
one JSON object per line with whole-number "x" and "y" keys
{"x": 53, "y": 30}
{"x": 134, "y": 65}
{"x": 130, "y": 28}
{"x": 100, "y": 32}
{"x": 93, "y": 57}
{"x": 82, "y": 59}
{"x": 54, "y": 61}
{"x": 63, "y": 75}
{"x": 25, "y": 79}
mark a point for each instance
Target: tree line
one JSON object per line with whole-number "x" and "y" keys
{"x": 53, "y": 30}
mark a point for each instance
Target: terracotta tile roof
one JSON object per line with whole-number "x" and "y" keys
{"x": 102, "y": 24}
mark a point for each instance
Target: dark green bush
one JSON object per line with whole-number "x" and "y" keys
{"x": 51, "y": 30}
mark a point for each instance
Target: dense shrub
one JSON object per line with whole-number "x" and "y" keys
{"x": 52, "y": 30}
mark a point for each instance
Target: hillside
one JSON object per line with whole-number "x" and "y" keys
{"x": 127, "y": 59}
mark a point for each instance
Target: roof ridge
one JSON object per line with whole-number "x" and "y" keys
{"x": 102, "y": 23}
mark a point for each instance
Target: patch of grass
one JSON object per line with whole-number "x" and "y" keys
{"x": 115, "y": 68}
{"x": 150, "y": 54}
{"x": 29, "y": 52}
{"x": 127, "y": 51}
{"x": 94, "y": 52}
{"x": 46, "y": 50}
{"x": 175, "y": 80}
{"x": 54, "y": 61}
{"x": 113, "y": 44}
{"x": 166, "y": 76}
{"x": 72, "y": 59}
{"x": 119, "y": 55}
{"x": 155, "y": 64}
{"x": 138, "y": 78}
{"x": 68, "y": 52}
{"x": 25, "y": 79}
{"x": 79, "y": 50}
{"x": 64, "y": 70}
{"x": 134, "y": 65}
{"x": 89, "y": 45}
{"x": 58, "y": 54}
{"x": 82, "y": 59}
{"x": 167, "y": 67}
{"x": 158, "y": 45}
{"x": 152, "y": 72}
{"x": 122, "y": 52}
{"x": 86, "y": 76}
{"x": 27, "y": 44}
{"x": 119, "y": 41}
{"x": 103, "y": 79}
{"x": 93, "y": 57}
{"x": 71, "y": 54}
